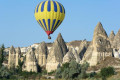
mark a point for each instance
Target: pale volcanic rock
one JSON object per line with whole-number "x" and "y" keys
{"x": 41, "y": 54}
{"x": 12, "y": 58}
{"x": 18, "y": 55}
{"x": 82, "y": 48}
{"x": 99, "y": 48}
{"x": 30, "y": 63}
{"x": 116, "y": 41}
{"x": 71, "y": 55}
{"x": 111, "y": 37}
{"x": 55, "y": 57}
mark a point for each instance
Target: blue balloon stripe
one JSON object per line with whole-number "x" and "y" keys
{"x": 60, "y": 23}
{"x": 37, "y": 7}
{"x": 42, "y": 7}
{"x": 60, "y": 7}
{"x": 41, "y": 24}
{"x": 55, "y": 6}
{"x": 63, "y": 8}
{"x": 49, "y": 24}
{"x": 57, "y": 24}
{"x": 44, "y": 23}
{"x": 53, "y": 24}
{"x": 49, "y": 6}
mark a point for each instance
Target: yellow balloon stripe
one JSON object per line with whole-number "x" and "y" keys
{"x": 51, "y": 15}
{"x": 57, "y": 15}
{"x": 46, "y": 14}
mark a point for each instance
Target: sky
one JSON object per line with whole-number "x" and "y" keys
{"x": 19, "y": 28}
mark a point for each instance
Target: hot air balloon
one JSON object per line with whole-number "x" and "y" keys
{"x": 49, "y": 14}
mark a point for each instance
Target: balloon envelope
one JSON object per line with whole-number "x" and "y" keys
{"x": 49, "y": 14}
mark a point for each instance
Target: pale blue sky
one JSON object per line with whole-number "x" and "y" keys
{"x": 18, "y": 26}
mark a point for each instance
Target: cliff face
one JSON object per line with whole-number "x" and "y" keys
{"x": 99, "y": 48}
{"x": 55, "y": 57}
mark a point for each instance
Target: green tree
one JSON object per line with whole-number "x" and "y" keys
{"x": 72, "y": 70}
{"x": 20, "y": 64}
{"x": 2, "y": 48}
{"x": 60, "y": 70}
{"x": 84, "y": 67}
{"x": 106, "y": 72}
{"x": 4, "y": 73}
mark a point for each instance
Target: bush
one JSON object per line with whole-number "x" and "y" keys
{"x": 71, "y": 70}
{"x": 84, "y": 67}
{"x": 51, "y": 73}
{"x": 4, "y": 73}
{"x": 92, "y": 74}
{"x": 1, "y": 54}
{"x": 58, "y": 73}
{"x": 44, "y": 72}
{"x": 106, "y": 72}
{"x": 65, "y": 65}
{"x": 60, "y": 70}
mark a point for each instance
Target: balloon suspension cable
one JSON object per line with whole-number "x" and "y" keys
{"x": 49, "y": 37}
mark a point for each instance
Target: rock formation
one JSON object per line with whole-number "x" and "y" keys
{"x": 116, "y": 41}
{"x": 12, "y": 58}
{"x": 111, "y": 37}
{"x": 99, "y": 48}
{"x": 41, "y": 54}
{"x": 55, "y": 57}
{"x": 18, "y": 55}
{"x": 30, "y": 63}
{"x": 76, "y": 55}
{"x": 68, "y": 57}
{"x": 82, "y": 48}
{"x": 71, "y": 55}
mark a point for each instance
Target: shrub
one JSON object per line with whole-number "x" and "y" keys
{"x": 20, "y": 64}
{"x": 51, "y": 73}
{"x": 71, "y": 70}
{"x": 60, "y": 70}
{"x": 65, "y": 65}
{"x": 58, "y": 73}
{"x": 92, "y": 74}
{"x": 84, "y": 67}
{"x": 65, "y": 74}
{"x": 4, "y": 73}
{"x": 44, "y": 72}
{"x": 1, "y": 54}
{"x": 106, "y": 72}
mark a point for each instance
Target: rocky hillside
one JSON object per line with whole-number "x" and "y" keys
{"x": 53, "y": 55}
